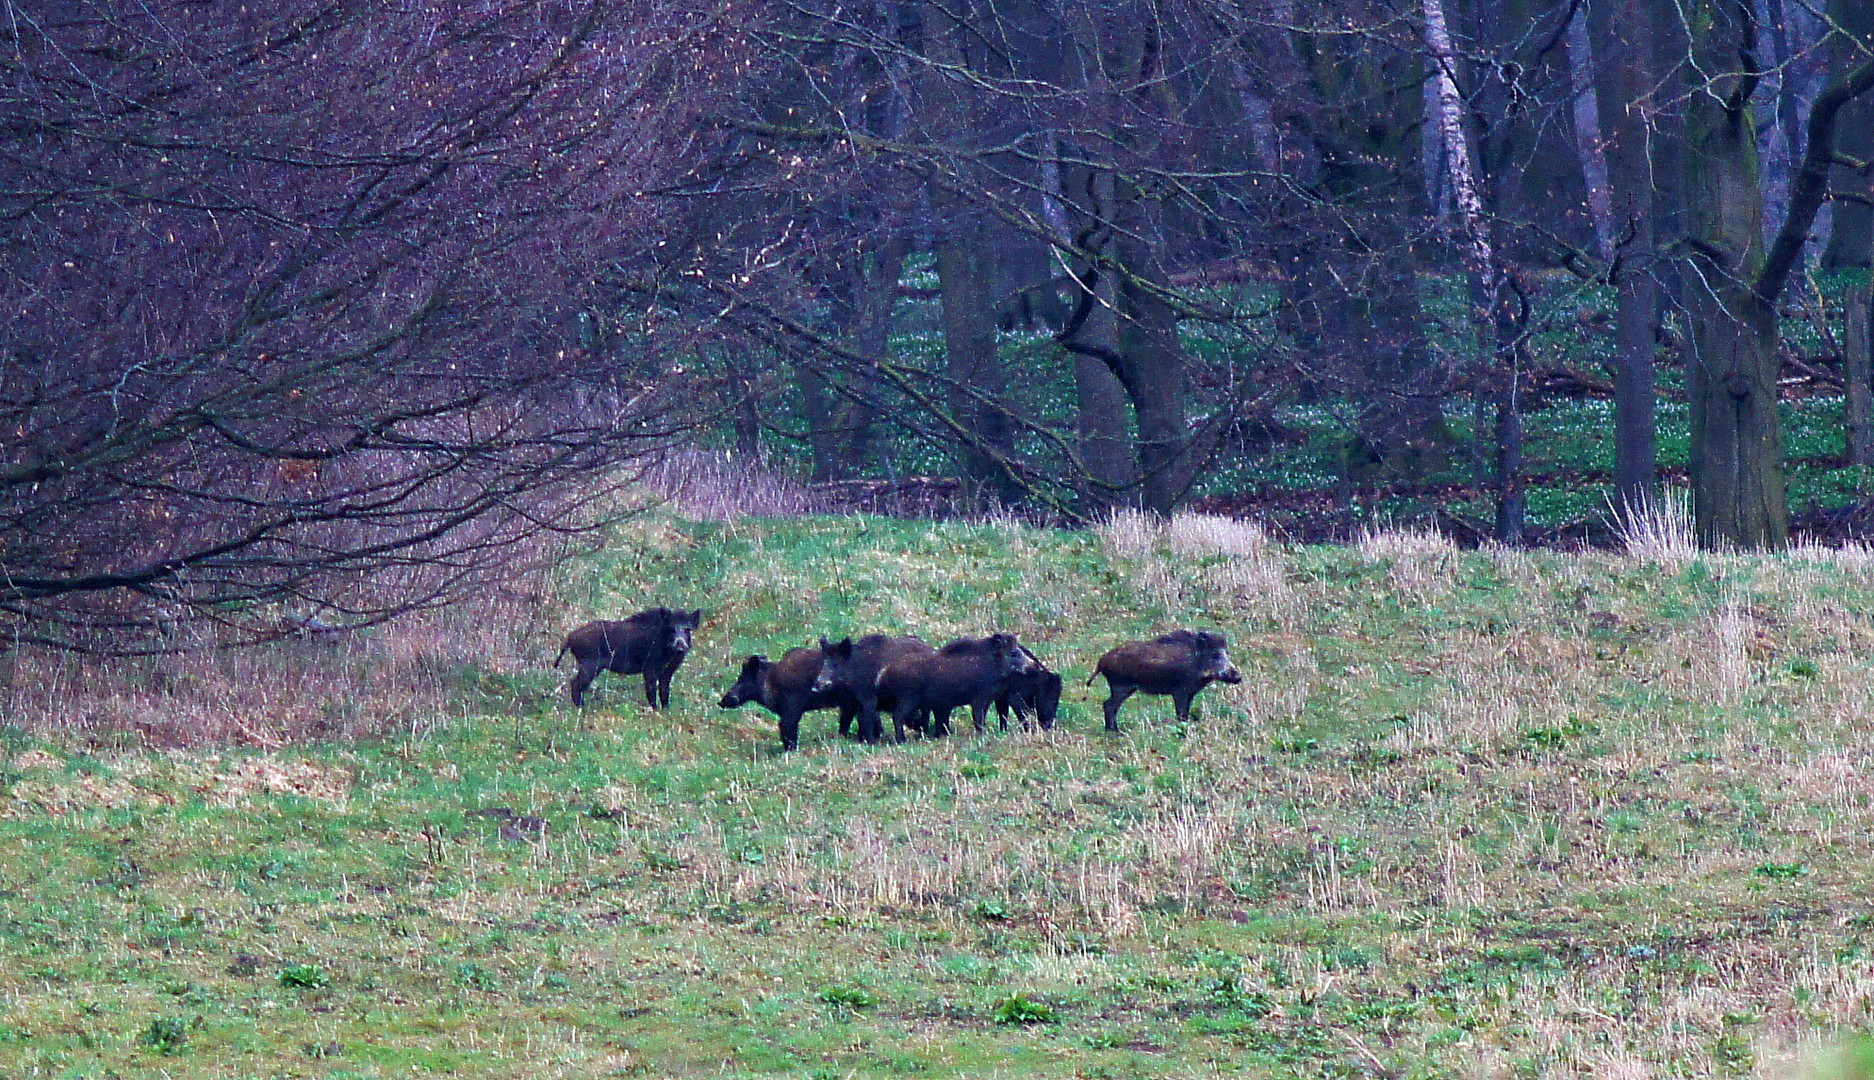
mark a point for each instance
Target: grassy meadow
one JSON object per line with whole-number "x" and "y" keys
{"x": 1470, "y": 814}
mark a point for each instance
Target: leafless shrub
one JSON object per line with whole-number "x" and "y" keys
{"x": 314, "y": 682}
{"x": 713, "y": 485}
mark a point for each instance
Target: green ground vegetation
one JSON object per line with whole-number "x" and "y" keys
{"x": 1569, "y": 447}
{"x": 1471, "y": 813}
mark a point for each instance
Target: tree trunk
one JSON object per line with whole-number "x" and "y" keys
{"x": 858, "y": 290}
{"x": 1737, "y": 446}
{"x": 977, "y": 383}
{"x": 857, "y": 413}
{"x": 1625, "y": 73}
{"x": 1850, "y": 250}
{"x": 818, "y": 400}
{"x": 1858, "y": 369}
{"x": 1737, "y": 440}
{"x": 1495, "y": 312}
{"x": 1100, "y": 400}
{"x": 1590, "y": 140}
{"x": 1152, "y": 364}
{"x": 1353, "y": 285}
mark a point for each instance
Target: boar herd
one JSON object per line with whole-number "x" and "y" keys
{"x": 920, "y": 685}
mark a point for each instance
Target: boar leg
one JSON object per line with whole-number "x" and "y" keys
{"x": 790, "y": 728}
{"x": 870, "y": 730}
{"x": 979, "y": 711}
{"x": 1117, "y": 693}
{"x": 1181, "y": 699}
{"x": 588, "y": 671}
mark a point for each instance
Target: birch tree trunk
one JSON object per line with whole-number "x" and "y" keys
{"x": 1590, "y": 142}
{"x": 1498, "y": 325}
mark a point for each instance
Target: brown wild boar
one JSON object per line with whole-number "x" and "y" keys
{"x": 653, "y": 642}
{"x": 1180, "y": 664}
{"x": 786, "y": 688}
{"x": 874, "y": 670}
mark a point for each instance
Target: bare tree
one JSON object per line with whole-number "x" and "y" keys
{"x": 290, "y": 299}
{"x": 1734, "y": 280}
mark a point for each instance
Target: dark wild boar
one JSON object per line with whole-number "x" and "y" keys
{"x": 786, "y": 688}
{"x": 968, "y": 671}
{"x": 653, "y": 642}
{"x": 874, "y": 671}
{"x": 1036, "y": 692}
{"x": 1180, "y": 664}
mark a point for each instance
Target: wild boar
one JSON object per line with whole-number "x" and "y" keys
{"x": 967, "y": 671}
{"x": 786, "y": 688}
{"x": 1037, "y": 691}
{"x": 653, "y": 642}
{"x": 874, "y": 670}
{"x": 1180, "y": 664}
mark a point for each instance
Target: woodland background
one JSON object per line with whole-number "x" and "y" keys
{"x": 313, "y": 310}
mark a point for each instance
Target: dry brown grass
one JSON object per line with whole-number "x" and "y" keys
{"x": 1597, "y": 763}
{"x": 713, "y": 485}
{"x": 1196, "y": 562}
{"x": 395, "y": 678}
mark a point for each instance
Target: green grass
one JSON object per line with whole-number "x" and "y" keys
{"x": 1470, "y": 812}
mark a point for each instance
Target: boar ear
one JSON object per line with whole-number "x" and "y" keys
{"x": 1210, "y": 640}
{"x": 697, "y": 616}
{"x": 753, "y": 663}
{"x": 825, "y": 645}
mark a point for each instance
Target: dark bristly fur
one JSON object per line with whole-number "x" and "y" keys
{"x": 967, "y": 671}
{"x": 922, "y": 685}
{"x": 1037, "y": 692}
{"x": 875, "y": 671}
{"x": 653, "y": 642}
{"x": 786, "y": 688}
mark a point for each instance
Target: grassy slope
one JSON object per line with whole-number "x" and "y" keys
{"x": 1470, "y": 814}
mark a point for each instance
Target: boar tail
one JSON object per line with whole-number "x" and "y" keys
{"x": 1090, "y": 678}
{"x": 562, "y": 655}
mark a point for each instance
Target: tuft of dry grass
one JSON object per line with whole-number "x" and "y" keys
{"x": 1661, "y": 532}
{"x": 1201, "y": 562}
{"x": 1421, "y": 561}
{"x": 1378, "y": 543}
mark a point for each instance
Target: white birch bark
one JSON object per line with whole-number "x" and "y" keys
{"x": 1588, "y": 144}
{"x": 1458, "y": 165}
